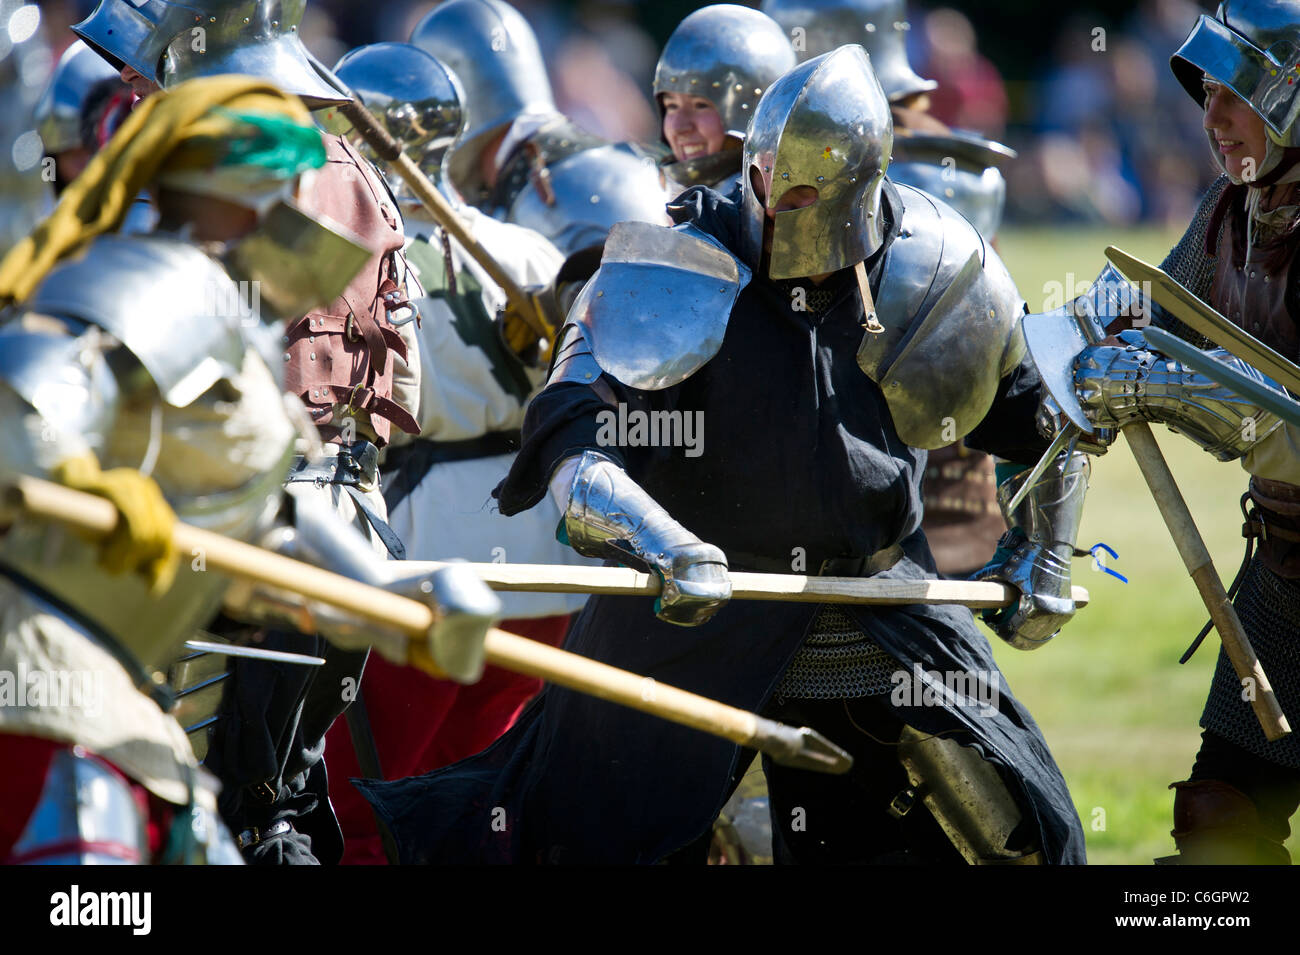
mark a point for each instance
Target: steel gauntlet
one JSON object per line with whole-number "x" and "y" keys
{"x": 1034, "y": 555}
{"x": 609, "y": 515}
{"x": 1121, "y": 384}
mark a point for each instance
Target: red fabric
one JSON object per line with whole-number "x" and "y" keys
{"x": 421, "y": 724}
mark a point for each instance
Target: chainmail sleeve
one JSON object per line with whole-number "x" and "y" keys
{"x": 1190, "y": 265}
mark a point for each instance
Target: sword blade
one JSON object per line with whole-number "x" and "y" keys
{"x": 254, "y": 653}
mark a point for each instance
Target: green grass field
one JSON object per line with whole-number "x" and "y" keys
{"x": 1118, "y": 711}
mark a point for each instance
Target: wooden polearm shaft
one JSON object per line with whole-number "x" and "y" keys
{"x": 1196, "y": 557}
{"x": 390, "y": 151}
{"x": 796, "y": 588}
{"x": 794, "y": 746}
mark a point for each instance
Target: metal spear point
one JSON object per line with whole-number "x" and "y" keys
{"x": 801, "y": 747}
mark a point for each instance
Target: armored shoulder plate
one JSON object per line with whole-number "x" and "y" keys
{"x": 170, "y": 305}
{"x": 66, "y": 379}
{"x": 951, "y": 315}
{"x": 960, "y": 168}
{"x": 582, "y": 196}
{"x": 657, "y": 308}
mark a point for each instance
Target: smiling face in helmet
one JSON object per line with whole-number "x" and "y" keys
{"x": 692, "y": 126}
{"x": 1237, "y": 131}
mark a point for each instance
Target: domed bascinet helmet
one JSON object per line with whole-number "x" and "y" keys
{"x": 58, "y": 114}
{"x": 825, "y": 124}
{"x": 412, "y": 95}
{"x": 879, "y": 26}
{"x": 171, "y": 41}
{"x": 728, "y": 54}
{"x": 492, "y": 51}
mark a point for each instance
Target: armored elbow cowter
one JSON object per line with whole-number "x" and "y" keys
{"x": 1121, "y": 384}
{"x": 609, "y": 515}
{"x": 1037, "y": 551}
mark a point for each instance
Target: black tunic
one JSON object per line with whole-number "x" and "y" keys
{"x": 800, "y": 463}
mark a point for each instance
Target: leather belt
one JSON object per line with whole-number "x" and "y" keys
{"x": 253, "y": 836}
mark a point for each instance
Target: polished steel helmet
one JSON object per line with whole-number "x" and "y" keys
{"x": 825, "y": 124}
{"x": 58, "y": 114}
{"x": 412, "y": 95}
{"x": 24, "y": 70}
{"x": 1253, "y": 48}
{"x": 959, "y": 167}
{"x": 172, "y": 41}
{"x": 880, "y": 26}
{"x": 490, "y": 48}
{"x": 728, "y": 54}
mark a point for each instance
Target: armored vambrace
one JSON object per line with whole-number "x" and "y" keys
{"x": 1038, "y": 548}
{"x": 1121, "y": 384}
{"x": 609, "y": 515}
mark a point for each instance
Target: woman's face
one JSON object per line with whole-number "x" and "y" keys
{"x": 1237, "y": 130}
{"x": 692, "y": 126}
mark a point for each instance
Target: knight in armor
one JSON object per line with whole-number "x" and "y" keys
{"x": 962, "y": 518}
{"x": 710, "y": 76}
{"x": 68, "y": 121}
{"x": 519, "y": 159}
{"x": 813, "y": 332}
{"x": 1238, "y": 255}
{"x": 353, "y": 362}
{"x": 437, "y": 485}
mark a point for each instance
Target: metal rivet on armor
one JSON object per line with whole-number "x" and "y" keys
{"x": 286, "y": 339}
{"x": 949, "y": 192}
{"x": 672, "y": 79}
{"x": 821, "y": 178}
{"x": 1252, "y": 273}
{"x": 785, "y": 175}
{"x": 311, "y": 339}
{"x": 599, "y": 294}
{"x": 595, "y": 199}
{"x": 903, "y": 25}
{"x": 275, "y": 24}
{"x": 716, "y": 84}
{"x": 694, "y": 80}
{"x": 740, "y": 87}
{"x": 212, "y": 19}
{"x": 313, "y": 356}
{"x": 993, "y": 313}
{"x": 871, "y": 28}
{"x": 286, "y": 356}
{"x": 895, "y": 384}
{"x": 246, "y": 19}
{"x": 744, "y": 106}
{"x": 848, "y": 225}
{"x": 723, "y": 291}
{"x": 1265, "y": 276}
{"x": 758, "y": 91}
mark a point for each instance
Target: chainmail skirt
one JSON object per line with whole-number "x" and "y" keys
{"x": 1269, "y": 608}
{"x": 837, "y": 661}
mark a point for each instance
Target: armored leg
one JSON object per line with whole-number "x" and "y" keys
{"x": 1215, "y": 823}
{"x": 1235, "y": 808}
{"x": 967, "y": 797}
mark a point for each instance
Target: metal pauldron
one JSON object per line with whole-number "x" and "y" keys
{"x": 1043, "y": 528}
{"x": 609, "y": 515}
{"x": 1120, "y": 384}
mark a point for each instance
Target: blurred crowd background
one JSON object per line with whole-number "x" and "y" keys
{"x": 1082, "y": 89}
